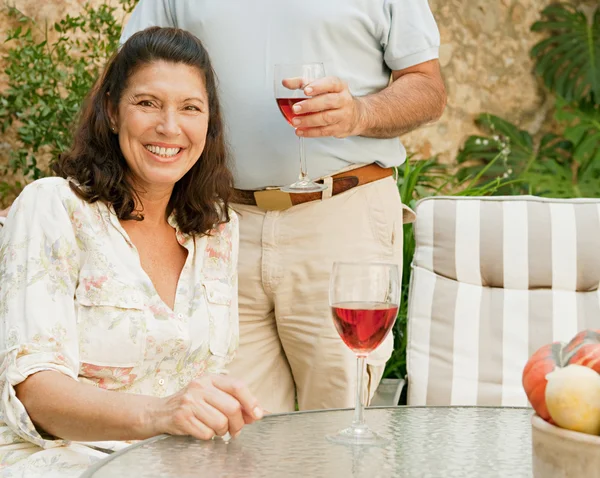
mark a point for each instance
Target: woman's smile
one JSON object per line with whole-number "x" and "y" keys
{"x": 164, "y": 153}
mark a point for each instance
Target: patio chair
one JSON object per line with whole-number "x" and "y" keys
{"x": 493, "y": 279}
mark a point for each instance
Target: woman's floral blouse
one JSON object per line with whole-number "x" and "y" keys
{"x": 75, "y": 299}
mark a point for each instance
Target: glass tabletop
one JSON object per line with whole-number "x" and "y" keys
{"x": 424, "y": 442}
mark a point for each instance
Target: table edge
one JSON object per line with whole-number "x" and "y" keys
{"x": 399, "y": 407}
{"x": 104, "y": 461}
{"x": 107, "y": 459}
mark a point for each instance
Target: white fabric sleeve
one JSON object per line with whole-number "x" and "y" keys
{"x": 148, "y": 13}
{"x": 39, "y": 264}
{"x": 411, "y": 35}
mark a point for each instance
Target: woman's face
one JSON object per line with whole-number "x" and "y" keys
{"x": 162, "y": 120}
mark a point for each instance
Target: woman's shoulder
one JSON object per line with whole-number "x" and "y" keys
{"x": 47, "y": 188}
{"x": 48, "y": 194}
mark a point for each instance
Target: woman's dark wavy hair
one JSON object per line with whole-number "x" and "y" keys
{"x": 200, "y": 199}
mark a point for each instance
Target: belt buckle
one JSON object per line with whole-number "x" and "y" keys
{"x": 273, "y": 200}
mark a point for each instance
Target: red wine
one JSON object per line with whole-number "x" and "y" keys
{"x": 285, "y": 106}
{"x": 363, "y": 325}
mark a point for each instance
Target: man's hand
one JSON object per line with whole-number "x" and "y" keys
{"x": 415, "y": 97}
{"x": 330, "y": 111}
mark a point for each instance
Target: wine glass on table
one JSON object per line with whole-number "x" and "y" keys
{"x": 364, "y": 300}
{"x": 288, "y": 93}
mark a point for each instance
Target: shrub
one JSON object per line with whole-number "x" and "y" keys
{"x": 49, "y": 72}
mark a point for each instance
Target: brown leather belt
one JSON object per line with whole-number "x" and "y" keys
{"x": 277, "y": 200}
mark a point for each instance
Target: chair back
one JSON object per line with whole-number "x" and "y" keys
{"x": 493, "y": 279}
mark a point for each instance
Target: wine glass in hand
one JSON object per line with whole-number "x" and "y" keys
{"x": 364, "y": 299}
{"x": 290, "y": 81}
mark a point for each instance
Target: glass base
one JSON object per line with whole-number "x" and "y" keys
{"x": 304, "y": 186}
{"x": 363, "y": 436}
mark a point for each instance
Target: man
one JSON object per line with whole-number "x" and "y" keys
{"x": 288, "y": 243}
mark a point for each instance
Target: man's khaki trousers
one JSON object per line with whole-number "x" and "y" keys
{"x": 288, "y": 343}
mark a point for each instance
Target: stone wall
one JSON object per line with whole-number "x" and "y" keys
{"x": 486, "y": 66}
{"x": 485, "y": 60}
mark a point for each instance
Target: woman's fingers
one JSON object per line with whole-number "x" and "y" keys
{"x": 214, "y": 405}
{"x": 228, "y": 406}
{"x": 211, "y": 417}
{"x": 199, "y": 430}
{"x": 182, "y": 412}
{"x": 241, "y": 393}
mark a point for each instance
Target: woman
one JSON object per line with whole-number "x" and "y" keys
{"x": 119, "y": 275}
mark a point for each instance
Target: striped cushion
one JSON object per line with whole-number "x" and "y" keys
{"x": 493, "y": 279}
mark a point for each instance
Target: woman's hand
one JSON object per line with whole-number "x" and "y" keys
{"x": 210, "y": 405}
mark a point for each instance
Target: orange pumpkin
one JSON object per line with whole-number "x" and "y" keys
{"x": 583, "y": 349}
{"x": 541, "y": 363}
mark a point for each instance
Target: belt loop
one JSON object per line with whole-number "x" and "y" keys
{"x": 328, "y": 181}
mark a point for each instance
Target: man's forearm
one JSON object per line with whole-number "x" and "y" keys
{"x": 410, "y": 101}
{"x": 72, "y": 410}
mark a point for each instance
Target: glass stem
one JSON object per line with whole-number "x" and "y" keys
{"x": 359, "y": 409}
{"x": 303, "y": 173}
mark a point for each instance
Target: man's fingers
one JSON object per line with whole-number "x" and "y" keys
{"x": 325, "y": 118}
{"x": 329, "y": 84}
{"x": 241, "y": 392}
{"x": 294, "y": 83}
{"x": 330, "y": 101}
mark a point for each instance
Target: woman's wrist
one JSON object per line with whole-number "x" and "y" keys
{"x": 151, "y": 417}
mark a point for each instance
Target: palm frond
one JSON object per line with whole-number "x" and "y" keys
{"x": 568, "y": 59}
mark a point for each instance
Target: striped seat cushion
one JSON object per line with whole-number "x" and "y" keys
{"x": 493, "y": 279}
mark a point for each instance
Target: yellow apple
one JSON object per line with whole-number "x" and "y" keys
{"x": 573, "y": 398}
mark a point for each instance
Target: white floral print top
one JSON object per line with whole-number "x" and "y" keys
{"x": 75, "y": 299}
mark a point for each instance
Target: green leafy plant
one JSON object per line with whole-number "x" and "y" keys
{"x": 558, "y": 165}
{"x": 520, "y": 157}
{"x": 568, "y": 59}
{"x": 49, "y": 72}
